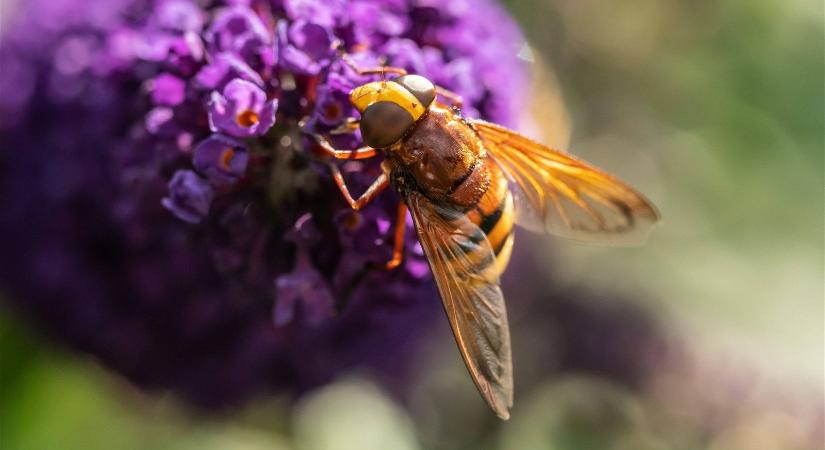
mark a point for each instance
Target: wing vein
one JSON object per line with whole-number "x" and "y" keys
{"x": 564, "y": 196}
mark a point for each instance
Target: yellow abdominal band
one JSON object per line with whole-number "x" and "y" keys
{"x": 386, "y": 91}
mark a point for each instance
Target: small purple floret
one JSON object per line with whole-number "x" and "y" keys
{"x": 304, "y": 47}
{"x": 221, "y": 159}
{"x": 242, "y": 110}
{"x": 333, "y": 104}
{"x": 239, "y": 30}
{"x": 223, "y": 68}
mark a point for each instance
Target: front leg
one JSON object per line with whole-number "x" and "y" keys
{"x": 349, "y": 126}
{"x": 359, "y": 153}
{"x": 454, "y": 98}
{"x": 364, "y": 71}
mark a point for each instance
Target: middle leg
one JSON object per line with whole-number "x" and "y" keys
{"x": 398, "y": 243}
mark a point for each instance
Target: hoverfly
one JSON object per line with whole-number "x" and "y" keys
{"x": 466, "y": 183}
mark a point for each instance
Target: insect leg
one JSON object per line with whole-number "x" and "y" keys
{"x": 454, "y": 98}
{"x": 375, "y": 188}
{"x": 359, "y": 153}
{"x": 349, "y": 126}
{"x": 339, "y": 47}
{"x": 382, "y": 70}
{"x": 398, "y": 244}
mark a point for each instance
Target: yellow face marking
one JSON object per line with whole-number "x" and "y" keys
{"x": 386, "y": 91}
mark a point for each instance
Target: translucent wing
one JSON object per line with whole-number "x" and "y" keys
{"x": 564, "y": 196}
{"x": 463, "y": 265}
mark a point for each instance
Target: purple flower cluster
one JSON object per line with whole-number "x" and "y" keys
{"x": 162, "y": 211}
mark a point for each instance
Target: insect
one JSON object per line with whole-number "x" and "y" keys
{"x": 466, "y": 183}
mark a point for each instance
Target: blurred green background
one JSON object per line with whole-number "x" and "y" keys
{"x": 715, "y": 110}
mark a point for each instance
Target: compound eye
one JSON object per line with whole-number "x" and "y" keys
{"x": 422, "y": 88}
{"x": 384, "y": 124}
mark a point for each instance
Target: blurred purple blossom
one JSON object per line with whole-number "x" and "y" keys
{"x": 159, "y": 118}
{"x": 304, "y": 290}
{"x": 168, "y": 89}
{"x": 157, "y": 216}
{"x": 179, "y": 15}
{"x": 189, "y": 196}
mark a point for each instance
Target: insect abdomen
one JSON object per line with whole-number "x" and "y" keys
{"x": 494, "y": 215}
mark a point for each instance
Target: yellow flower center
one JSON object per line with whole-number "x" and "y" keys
{"x": 247, "y": 118}
{"x": 226, "y": 158}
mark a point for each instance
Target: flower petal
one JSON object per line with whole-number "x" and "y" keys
{"x": 221, "y": 159}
